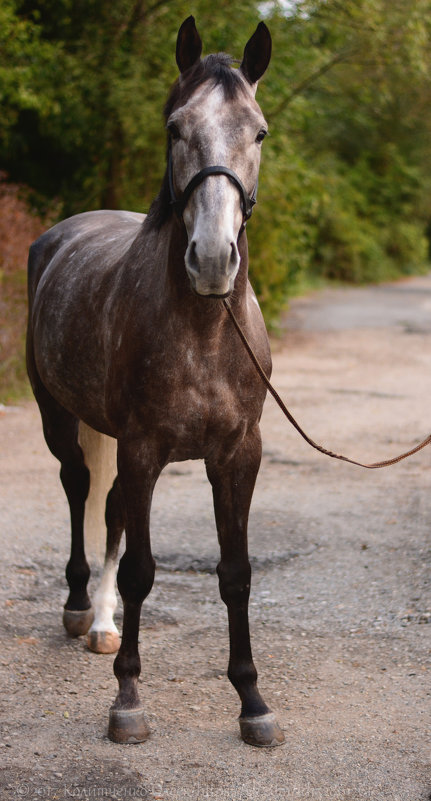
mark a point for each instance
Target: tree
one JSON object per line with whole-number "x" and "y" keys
{"x": 345, "y": 174}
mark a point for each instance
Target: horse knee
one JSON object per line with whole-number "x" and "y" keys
{"x": 135, "y": 577}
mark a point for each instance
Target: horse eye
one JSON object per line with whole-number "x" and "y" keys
{"x": 261, "y": 135}
{"x": 173, "y": 130}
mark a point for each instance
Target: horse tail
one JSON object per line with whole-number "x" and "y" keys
{"x": 100, "y": 455}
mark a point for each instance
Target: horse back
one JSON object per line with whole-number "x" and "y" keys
{"x": 98, "y": 227}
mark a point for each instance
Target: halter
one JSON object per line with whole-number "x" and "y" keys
{"x": 179, "y": 203}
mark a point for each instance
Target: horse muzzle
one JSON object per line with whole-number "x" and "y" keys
{"x": 212, "y": 269}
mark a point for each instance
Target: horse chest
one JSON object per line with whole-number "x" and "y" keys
{"x": 197, "y": 401}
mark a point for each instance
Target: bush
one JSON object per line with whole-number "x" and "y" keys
{"x": 19, "y": 227}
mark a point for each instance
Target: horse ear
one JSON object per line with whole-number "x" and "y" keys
{"x": 189, "y": 45}
{"x": 257, "y": 54}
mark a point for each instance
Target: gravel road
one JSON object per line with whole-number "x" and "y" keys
{"x": 340, "y": 607}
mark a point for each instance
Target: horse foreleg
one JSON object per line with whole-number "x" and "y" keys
{"x": 233, "y": 483}
{"x": 103, "y": 637}
{"x": 137, "y": 473}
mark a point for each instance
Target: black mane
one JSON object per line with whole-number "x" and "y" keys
{"x": 218, "y": 70}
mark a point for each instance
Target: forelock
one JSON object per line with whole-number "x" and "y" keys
{"x": 217, "y": 69}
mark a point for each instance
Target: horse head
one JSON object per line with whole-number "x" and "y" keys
{"x": 215, "y": 130}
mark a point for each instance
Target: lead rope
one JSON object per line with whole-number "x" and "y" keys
{"x": 296, "y": 425}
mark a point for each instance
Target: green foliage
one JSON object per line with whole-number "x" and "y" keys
{"x": 358, "y": 111}
{"x": 346, "y": 176}
{"x": 282, "y": 234}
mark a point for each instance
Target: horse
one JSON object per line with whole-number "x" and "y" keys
{"x": 129, "y": 340}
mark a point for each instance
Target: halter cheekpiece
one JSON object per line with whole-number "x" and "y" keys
{"x": 179, "y": 203}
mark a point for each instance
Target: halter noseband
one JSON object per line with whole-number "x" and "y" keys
{"x": 179, "y": 203}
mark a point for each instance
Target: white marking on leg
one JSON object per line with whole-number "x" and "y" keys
{"x": 105, "y": 600}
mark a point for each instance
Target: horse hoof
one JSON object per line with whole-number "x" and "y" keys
{"x": 77, "y": 622}
{"x": 103, "y": 642}
{"x": 262, "y": 731}
{"x": 127, "y": 726}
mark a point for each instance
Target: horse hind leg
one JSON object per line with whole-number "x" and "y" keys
{"x": 78, "y": 612}
{"x": 104, "y": 637}
{"x": 61, "y": 435}
{"x": 139, "y": 465}
{"x": 60, "y": 429}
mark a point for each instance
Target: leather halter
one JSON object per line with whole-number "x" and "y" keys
{"x": 179, "y": 203}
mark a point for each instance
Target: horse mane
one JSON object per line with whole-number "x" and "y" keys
{"x": 216, "y": 69}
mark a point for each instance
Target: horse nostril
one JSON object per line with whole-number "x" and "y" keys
{"x": 234, "y": 257}
{"x": 192, "y": 258}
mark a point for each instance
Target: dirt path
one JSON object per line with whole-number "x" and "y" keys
{"x": 341, "y": 606}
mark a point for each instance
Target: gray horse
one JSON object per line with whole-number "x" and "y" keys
{"x": 128, "y": 335}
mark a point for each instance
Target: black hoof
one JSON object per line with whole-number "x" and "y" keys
{"x": 262, "y": 731}
{"x": 127, "y": 726}
{"x": 77, "y": 623}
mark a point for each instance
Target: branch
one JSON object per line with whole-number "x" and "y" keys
{"x": 140, "y": 13}
{"x": 337, "y": 58}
